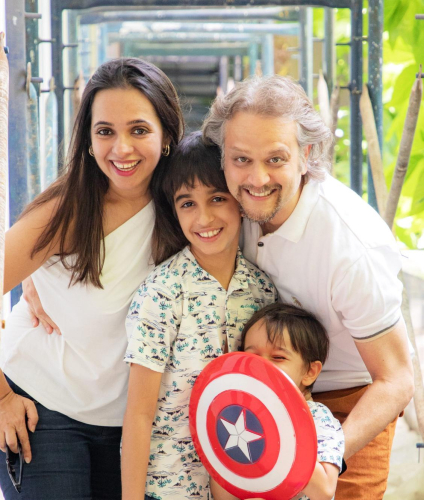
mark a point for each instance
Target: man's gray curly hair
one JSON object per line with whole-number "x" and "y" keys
{"x": 275, "y": 96}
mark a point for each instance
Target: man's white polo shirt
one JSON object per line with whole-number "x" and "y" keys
{"x": 335, "y": 257}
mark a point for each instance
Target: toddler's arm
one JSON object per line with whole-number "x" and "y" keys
{"x": 219, "y": 493}
{"x": 322, "y": 485}
{"x": 143, "y": 391}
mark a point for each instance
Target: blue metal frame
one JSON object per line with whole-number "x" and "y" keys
{"x": 15, "y": 19}
{"x": 18, "y": 187}
{"x": 356, "y": 64}
{"x": 375, "y": 78}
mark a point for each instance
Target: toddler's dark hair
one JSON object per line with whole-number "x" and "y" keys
{"x": 307, "y": 335}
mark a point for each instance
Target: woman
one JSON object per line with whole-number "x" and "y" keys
{"x": 86, "y": 243}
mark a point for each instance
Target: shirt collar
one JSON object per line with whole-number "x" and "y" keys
{"x": 242, "y": 276}
{"x": 295, "y": 225}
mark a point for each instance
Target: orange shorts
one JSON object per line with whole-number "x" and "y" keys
{"x": 367, "y": 470}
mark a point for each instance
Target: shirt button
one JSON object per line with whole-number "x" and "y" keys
{"x": 261, "y": 244}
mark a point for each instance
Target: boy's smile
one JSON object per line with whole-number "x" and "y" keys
{"x": 210, "y": 220}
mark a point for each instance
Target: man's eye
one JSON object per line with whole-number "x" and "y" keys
{"x": 241, "y": 159}
{"x": 276, "y": 159}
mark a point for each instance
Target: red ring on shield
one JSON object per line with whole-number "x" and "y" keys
{"x": 251, "y": 384}
{"x": 270, "y": 434}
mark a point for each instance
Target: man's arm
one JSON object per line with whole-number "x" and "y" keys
{"x": 388, "y": 360}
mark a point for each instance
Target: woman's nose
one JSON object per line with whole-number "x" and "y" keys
{"x": 122, "y": 146}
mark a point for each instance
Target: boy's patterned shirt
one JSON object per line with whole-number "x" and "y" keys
{"x": 330, "y": 437}
{"x": 179, "y": 320}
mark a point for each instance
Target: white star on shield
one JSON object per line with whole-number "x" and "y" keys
{"x": 239, "y": 435}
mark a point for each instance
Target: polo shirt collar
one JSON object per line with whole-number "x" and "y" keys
{"x": 295, "y": 225}
{"x": 241, "y": 277}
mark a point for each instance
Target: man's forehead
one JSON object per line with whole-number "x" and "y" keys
{"x": 268, "y": 149}
{"x": 248, "y": 129}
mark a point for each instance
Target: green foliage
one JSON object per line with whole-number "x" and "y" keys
{"x": 403, "y": 52}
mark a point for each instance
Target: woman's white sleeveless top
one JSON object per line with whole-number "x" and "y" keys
{"x": 82, "y": 373}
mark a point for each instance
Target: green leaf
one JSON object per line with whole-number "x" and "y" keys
{"x": 403, "y": 86}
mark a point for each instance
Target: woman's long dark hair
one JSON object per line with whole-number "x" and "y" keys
{"x": 191, "y": 161}
{"x": 77, "y": 221}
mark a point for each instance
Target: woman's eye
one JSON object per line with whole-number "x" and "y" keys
{"x": 104, "y": 131}
{"x": 140, "y": 131}
{"x": 187, "y": 204}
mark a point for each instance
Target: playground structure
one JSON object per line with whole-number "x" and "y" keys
{"x": 201, "y": 45}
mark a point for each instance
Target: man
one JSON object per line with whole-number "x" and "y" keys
{"x": 327, "y": 251}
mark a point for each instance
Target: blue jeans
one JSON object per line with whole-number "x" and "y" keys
{"x": 70, "y": 460}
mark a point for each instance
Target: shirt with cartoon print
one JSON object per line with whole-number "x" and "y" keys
{"x": 330, "y": 437}
{"x": 179, "y": 320}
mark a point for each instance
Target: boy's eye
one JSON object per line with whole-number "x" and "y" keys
{"x": 279, "y": 358}
{"x": 218, "y": 198}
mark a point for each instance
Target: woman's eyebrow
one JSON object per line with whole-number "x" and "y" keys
{"x": 132, "y": 122}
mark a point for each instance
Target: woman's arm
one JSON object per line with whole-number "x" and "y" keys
{"x": 19, "y": 242}
{"x": 36, "y": 312}
{"x": 143, "y": 392}
{"x": 322, "y": 485}
{"x": 16, "y": 412}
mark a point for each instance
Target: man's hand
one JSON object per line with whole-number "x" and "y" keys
{"x": 36, "y": 311}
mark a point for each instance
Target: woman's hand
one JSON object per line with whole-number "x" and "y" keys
{"x": 16, "y": 413}
{"x": 36, "y": 310}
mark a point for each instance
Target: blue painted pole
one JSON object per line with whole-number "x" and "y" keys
{"x": 223, "y": 74}
{"x": 253, "y": 58}
{"x": 32, "y": 140}
{"x": 329, "y": 49}
{"x": 15, "y": 28}
{"x": 51, "y": 160}
{"x": 355, "y": 95}
{"x": 306, "y": 50}
{"x": 375, "y": 79}
{"x": 268, "y": 55}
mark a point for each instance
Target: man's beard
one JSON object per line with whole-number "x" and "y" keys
{"x": 260, "y": 217}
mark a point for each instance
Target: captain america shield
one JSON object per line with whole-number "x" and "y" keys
{"x": 252, "y": 428}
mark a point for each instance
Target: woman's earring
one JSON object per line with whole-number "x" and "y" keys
{"x": 166, "y": 150}
{"x": 90, "y": 150}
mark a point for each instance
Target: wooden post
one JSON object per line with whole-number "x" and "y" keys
{"x": 374, "y": 152}
{"x": 404, "y": 149}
